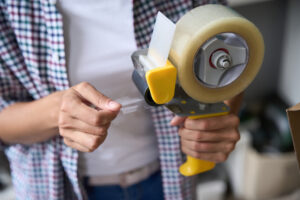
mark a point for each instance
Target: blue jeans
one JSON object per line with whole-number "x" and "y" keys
{"x": 149, "y": 189}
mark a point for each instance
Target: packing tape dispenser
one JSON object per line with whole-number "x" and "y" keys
{"x": 210, "y": 55}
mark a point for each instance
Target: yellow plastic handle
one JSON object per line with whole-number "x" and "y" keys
{"x": 194, "y": 166}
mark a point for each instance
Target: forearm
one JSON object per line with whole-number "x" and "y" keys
{"x": 30, "y": 122}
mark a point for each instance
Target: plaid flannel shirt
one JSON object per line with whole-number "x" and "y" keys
{"x": 32, "y": 66}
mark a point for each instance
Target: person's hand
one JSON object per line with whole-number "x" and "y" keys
{"x": 209, "y": 139}
{"x": 84, "y": 117}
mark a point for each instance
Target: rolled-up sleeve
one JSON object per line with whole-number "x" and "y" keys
{"x": 11, "y": 71}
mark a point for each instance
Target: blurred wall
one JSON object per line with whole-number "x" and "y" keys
{"x": 269, "y": 17}
{"x": 289, "y": 79}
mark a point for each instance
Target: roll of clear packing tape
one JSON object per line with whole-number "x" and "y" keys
{"x": 198, "y": 26}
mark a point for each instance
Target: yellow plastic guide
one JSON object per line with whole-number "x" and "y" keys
{"x": 161, "y": 82}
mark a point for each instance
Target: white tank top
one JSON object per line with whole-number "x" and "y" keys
{"x": 99, "y": 39}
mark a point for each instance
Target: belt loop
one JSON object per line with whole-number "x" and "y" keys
{"x": 123, "y": 181}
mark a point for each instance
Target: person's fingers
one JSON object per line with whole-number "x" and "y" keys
{"x": 213, "y": 157}
{"x": 88, "y": 141}
{"x": 177, "y": 120}
{"x": 212, "y": 123}
{"x": 68, "y": 122}
{"x": 75, "y": 106}
{"x": 210, "y": 138}
{"x": 222, "y": 135}
{"x": 101, "y": 118}
{"x": 86, "y": 114}
{"x": 208, "y": 147}
{"x": 88, "y": 92}
{"x": 74, "y": 145}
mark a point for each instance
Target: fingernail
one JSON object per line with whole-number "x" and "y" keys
{"x": 113, "y": 105}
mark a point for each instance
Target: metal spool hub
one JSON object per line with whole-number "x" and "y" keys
{"x": 221, "y": 60}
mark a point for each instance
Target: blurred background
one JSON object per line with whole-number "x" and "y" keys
{"x": 263, "y": 165}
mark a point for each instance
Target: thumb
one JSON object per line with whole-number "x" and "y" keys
{"x": 113, "y": 106}
{"x": 92, "y": 95}
{"x": 177, "y": 120}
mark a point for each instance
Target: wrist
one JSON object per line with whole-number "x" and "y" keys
{"x": 53, "y": 107}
